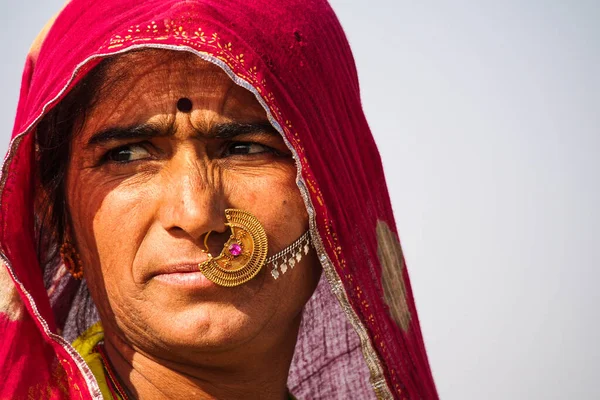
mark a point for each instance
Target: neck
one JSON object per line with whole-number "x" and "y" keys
{"x": 234, "y": 374}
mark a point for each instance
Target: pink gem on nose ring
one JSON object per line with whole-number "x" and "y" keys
{"x": 235, "y": 249}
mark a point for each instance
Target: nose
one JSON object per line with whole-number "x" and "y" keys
{"x": 192, "y": 203}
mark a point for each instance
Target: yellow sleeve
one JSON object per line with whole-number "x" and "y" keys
{"x": 85, "y": 347}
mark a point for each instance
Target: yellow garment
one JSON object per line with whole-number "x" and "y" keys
{"x": 85, "y": 345}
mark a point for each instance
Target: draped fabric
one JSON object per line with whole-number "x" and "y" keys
{"x": 360, "y": 335}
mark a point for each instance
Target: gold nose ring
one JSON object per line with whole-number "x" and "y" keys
{"x": 243, "y": 254}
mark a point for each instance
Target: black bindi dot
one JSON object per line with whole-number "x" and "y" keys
{"x": 184, "y": 105}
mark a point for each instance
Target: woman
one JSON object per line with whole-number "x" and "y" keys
{"x": 206, "y": 168}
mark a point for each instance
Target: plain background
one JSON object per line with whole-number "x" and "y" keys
{"x": 487, "y": 118}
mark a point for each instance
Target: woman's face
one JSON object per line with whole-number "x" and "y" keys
{"x": 146, "y": 182}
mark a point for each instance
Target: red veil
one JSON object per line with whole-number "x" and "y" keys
{"x": 360, "y": 335}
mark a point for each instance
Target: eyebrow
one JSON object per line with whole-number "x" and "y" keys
{"x": 232, "y": 129}
{"x": 225, "y": 131}
{"x": 124, "y": 133}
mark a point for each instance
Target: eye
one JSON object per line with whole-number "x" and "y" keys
{"x": 123, "y": 154}
{"x": 242, "y": 148}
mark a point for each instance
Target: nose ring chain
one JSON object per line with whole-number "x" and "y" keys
{"x": 289, "y": 256}
{"x": 245, "y": 252}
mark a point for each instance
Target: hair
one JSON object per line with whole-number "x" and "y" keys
{"x": 54, "y": 135}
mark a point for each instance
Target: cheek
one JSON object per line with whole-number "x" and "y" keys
{"x": 120, "y": 225}
{"x": 274, "y": 198}
{"x": 112, "y": 218}
{"x": 109, "y": 222}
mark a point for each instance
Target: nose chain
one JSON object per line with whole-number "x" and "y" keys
{"x": 290, "y": 256}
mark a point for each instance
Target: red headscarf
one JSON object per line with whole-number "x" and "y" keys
{"x": 360, "y": 335}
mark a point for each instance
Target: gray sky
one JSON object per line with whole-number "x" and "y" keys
{"x": 487, "y": 117}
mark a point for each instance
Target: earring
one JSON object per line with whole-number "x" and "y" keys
{"x": 71, "y": 260}
{"x": 243, "y": 255}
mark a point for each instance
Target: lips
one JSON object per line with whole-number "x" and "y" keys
{"x": 159, "y": 266}
{"x": 182, "y": 268}
{"x": 185, "y": 275}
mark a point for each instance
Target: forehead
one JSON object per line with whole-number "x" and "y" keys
{"x": 146, "y": 84}
{"x": 162, "y": 70}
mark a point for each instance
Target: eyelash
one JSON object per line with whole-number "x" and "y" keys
{"x": 106, "y": 158}
{"x": 230, "y": 145}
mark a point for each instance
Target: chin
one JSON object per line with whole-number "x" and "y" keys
{"x": 205, "y": 327}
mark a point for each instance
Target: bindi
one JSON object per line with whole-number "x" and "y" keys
{"x": 184, "y": 105}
